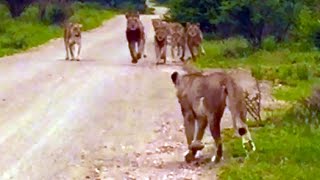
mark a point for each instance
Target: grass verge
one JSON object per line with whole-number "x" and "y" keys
{"x": 287, "y": 143}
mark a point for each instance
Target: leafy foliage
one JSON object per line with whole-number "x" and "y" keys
{"x": 254, "y": 20}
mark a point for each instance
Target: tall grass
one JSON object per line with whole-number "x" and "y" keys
{"x": 282, "y": 65}
{"x": 28, "y": 31}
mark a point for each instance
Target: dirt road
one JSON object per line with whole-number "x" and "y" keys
{"x": 100, "y": 118}
{"x": 59, "y": 119}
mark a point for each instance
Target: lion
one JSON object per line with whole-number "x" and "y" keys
{"x": 160, "y": 41}
{"x": 178, "y": 40}
{"x": 203, "y": 99}
{"x": 135, "y": 36}
{"x": 157, "y": 23}
{"x": 194, "y": 40}
{"x": 72, "y": 37}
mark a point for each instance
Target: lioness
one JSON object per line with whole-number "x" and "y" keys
{"x": 194, "y": 39}
{"x": 135, "y": 36}
{"x": 156, "y": 23}
{"x": 160, "y": 41}
{"x": 203, "y": 98}
{"x": 178, "y": 40}
{"x": 72, "y": 37}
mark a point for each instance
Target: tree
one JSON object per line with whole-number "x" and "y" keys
{"x": 251, "y": 19}
{"x": 16, "y": 7}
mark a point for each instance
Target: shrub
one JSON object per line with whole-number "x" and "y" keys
{"x": 30, "y": 14}
{"x": 303, "y": 71}
{"x": 90, "y": 15}
{"x": 55, "y": 14}
{"x": 307, "y": 27}
{"x": 307, "y": 110}
{"x": 269, "y": 44}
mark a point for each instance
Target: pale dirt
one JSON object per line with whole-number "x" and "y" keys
{"x": 102, "y": 117}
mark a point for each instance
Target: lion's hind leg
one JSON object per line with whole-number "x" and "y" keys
{"x": 216, "y": 134}
{"x": 189, "y": 124}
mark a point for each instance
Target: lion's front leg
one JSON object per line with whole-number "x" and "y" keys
{"x": 141, "y": 47}
{"x": 66, "y": 44}
{"x": 78, "y": 54}
{"x": 132, "y": 50}
{"x": 172, "y": 51}
{"x": 183, "y": 51}
{"x": 71, "y": 48}
{"x": 158, "y": 54}
{"x": 164, "y": 53}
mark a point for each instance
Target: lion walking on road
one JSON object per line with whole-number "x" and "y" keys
{"x": 135, "y": 36}
{"x": 72, "y": 38}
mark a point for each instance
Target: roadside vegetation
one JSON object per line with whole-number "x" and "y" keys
{"x": 279, "y": 42}
{"x": 29, "y": 23}
{"x": 287, "y": 141}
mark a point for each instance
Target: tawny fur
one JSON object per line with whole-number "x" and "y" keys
{"x": 178, "y": 40}
{"x": 135, "y": 36}
{"x": 194, "y": 40}
{"x": 203, "y": 99}
{"x": 72, "y": 38}
{"x": 160, "y": 42}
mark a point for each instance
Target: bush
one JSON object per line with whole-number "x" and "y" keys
{"x": 307, "y": 111}
{"x": 30, "y": 14}
{"x": 90, "y": 15}
{"x": 269, "y": 44}
{"x": 303, "y": 71}
{"x": 56, "y": 14}
{"x": 251, "y": 19}
{"x": 307, "y": 27}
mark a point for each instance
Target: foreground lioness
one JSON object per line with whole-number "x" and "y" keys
{"x": 160, "y": 42}
{"x": 178, "y": 40}
{"x": 135, "y": 36}
{"x": 72, "y": 38}
{"x": 194, "y": 40}
{"x": 203, "y": 98}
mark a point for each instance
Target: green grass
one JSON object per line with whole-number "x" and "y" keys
{"x": 91, "y": 15}
{"x": 286, "y": 149}
{"x": 28, "y": 31}
{"x": 294, "y": 70}
{"x": 287, "y": 144}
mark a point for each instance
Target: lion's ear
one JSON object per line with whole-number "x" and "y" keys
{"x": 174, "y": 77}
{"x": 127, "y": 15}
{"x": 138, "y": 15}
{"x": 188, "y": 24}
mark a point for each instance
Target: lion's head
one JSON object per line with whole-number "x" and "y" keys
{"x": 156, "y": 23}
{"x": 75, "y": 29}
{"x": 133, "y": 21}
{"x": 161, "y": 33}
{"x": 193, "y": 29}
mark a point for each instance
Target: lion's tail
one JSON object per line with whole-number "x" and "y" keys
{"x": 236, "y": 105}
